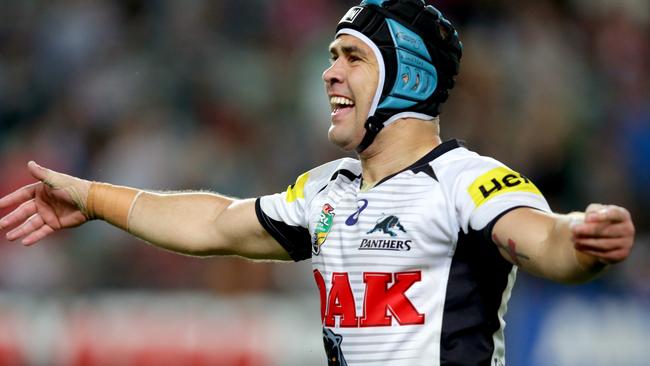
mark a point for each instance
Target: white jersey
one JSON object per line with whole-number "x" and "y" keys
{"x": 406, "y": 270}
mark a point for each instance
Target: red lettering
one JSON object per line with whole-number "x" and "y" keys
{"x": 320, "y": 282}
{"x": 341, "y": 302}
{"x": 379, "y": 299}
{"x": 381, "y": 303}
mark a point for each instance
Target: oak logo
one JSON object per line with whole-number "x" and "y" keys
{"x": 384, "y": 299}
{"x": 498, "y": 181}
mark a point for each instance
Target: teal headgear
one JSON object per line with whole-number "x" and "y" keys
{"x": 418, "y": 52}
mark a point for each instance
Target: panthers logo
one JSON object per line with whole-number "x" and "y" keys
{"x": 387, "y": 225}
{"x": 332, "y": 342}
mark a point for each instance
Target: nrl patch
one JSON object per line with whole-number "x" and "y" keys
{"x": 323, "y": 227}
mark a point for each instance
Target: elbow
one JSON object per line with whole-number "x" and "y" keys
{"x": 211, "y": 249}
{"x": 576, "y": 278}
{"x": 576, "y": 274}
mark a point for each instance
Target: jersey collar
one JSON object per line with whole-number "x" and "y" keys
{"x": 421, "y": 164}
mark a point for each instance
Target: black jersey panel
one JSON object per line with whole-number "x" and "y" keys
{"x": 478, "y": 278}
{"x": 294, "y": 239}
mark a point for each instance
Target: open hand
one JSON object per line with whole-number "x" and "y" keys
{"x": 56, "y": 201}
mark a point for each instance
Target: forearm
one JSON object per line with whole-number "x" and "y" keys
{"x": 181, "y": 222}
{"x": 541, "y": 243}
{"x": 558, "y": 258}
{"x": 191, "y": 223}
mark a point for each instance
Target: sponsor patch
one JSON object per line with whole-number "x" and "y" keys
{"x": 351, "y": 14}
{"x": 354, "y": 218}
{"x": 297, "y": 190}
{"x": 498, "y": 181}
{"x": 323, "y": 227}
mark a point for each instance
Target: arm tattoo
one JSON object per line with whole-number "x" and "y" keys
{"x": 511, "y": 249}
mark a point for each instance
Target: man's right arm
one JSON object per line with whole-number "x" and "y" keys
{"x": 190, "y": 223}
{"x": 203, "y": 224}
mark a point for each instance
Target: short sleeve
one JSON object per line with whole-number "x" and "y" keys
{"x": 286, "y": 215}
{"x": 486, "y": 189}
{"x": 283, "y": 216}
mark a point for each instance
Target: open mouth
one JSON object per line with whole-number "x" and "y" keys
{"x": 340, "y": 104}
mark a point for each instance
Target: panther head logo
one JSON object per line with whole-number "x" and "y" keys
{"x": 387, "y": 225}
{"x": 332, "y": 342}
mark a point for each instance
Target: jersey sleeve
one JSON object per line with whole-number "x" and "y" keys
{"x": 283, "y": 216}
{"x": 286, "y": 215}
{"x": 486, "y": 189}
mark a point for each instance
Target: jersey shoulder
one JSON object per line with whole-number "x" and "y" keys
{"x": 482, "y": 177}
{"x": 308, "y": 184}
{"x": 482, "y": 187}
{"x": 462, "y": 163}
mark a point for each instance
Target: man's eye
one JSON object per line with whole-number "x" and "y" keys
{"x": 333, "y": 59}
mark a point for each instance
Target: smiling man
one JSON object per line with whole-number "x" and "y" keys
{"x": 415, "y": 245}
{"x": 351, "y": 83}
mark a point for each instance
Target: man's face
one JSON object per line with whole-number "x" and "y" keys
{"x": 351, "y": 83}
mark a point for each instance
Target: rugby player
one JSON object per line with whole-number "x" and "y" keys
{"x": 415, "y": 245}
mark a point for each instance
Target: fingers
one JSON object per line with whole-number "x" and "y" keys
{"x": 19, "y": 196}
{"x": 27, "y": 192}
{"x": 49, "y": 177}
{"x": 607, "y": 233}
{"x": 37, "y": 235}
{"x": 610, "y": 243}
{"x": 34, "y": 223}
{"x": 599, "y": 245}
{"x": 606, "y": 256}
{"x": 19, "y": 215}
{"x": 33, "y": 230}
{"x": 77, "y": 189}
{"x": 38, "y": 172}
{"x": 607, "y": 251}
{"x": 42, "y": 205}
{"x": 597, "y": 212}
{"x": 594, "y": 207}
{"x": 601, "y": 230}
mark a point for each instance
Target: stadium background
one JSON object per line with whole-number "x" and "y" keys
{"x": 226, "y": 96}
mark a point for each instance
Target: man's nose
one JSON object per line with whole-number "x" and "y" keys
{"x": 334, "y": 73}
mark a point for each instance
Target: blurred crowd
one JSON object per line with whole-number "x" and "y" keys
{"x": 227, "y": 96}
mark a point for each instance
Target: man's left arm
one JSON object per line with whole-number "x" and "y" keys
{"x": 569, "y": 248}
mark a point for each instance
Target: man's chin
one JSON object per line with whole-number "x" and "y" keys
{"x": 345, "y": 144}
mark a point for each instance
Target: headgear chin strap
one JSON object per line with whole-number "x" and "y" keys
{"x": 418, "y": 52}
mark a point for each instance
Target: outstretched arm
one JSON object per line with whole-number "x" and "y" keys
{"x": 569, "y": 248}
{"x": 189, "y": 223}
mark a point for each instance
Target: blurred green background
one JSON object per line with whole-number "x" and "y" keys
{"x": 227, "y": 96}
